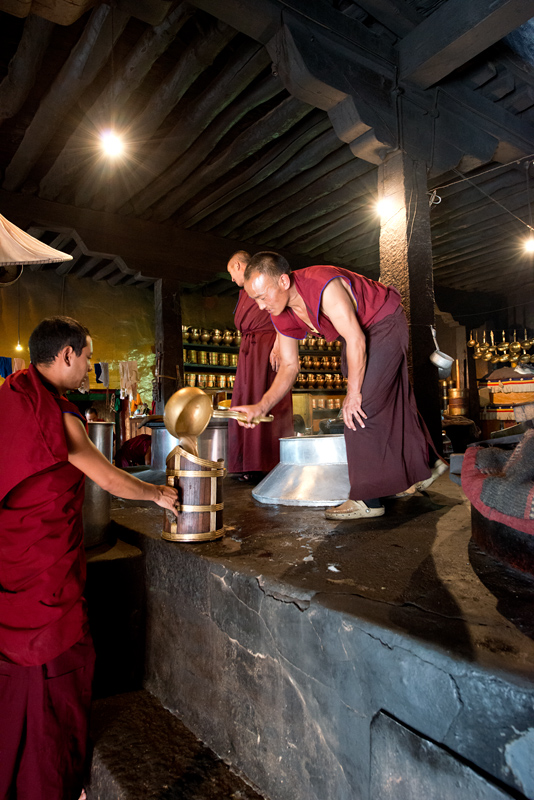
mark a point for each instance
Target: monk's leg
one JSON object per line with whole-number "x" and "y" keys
{"x": 53, "y": 759}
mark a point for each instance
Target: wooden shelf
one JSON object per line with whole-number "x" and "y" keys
{"x": 210, "y": 348}
{"x": 208, "y": 367}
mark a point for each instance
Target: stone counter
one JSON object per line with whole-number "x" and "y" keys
{"x": 367, "y": 659}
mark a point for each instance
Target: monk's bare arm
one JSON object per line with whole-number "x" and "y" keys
{"x": 274, "y": 356}
{"x": 88, "y": 458}
{"x": 337, "y": 303}
{"x": 284, "y": 380}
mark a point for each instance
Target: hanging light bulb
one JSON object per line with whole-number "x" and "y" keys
{"x": 529, "y": 245}
{"x": 112, "y": 144}
{"x": 384, "y": 207}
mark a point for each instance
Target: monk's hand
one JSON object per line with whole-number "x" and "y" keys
{"x": 166, "y": 497}
{"x": 274, "y": 358}
{"x": 251, "y": 412}
{"x": 352, "y": 410}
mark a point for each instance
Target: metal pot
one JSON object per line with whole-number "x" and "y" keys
{"x": 97, "y": 503}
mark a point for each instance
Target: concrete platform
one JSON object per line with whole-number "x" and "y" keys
{"x": 368, "y": 659}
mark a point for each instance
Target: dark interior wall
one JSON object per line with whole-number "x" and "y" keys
{"x": 208, "y": 312}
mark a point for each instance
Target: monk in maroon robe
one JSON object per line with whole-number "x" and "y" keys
{"x": 387, "y": 450}
{"x": 255, "y": 450}
{"x": 46, "y": 651}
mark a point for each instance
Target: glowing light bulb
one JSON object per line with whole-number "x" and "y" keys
{"x": 529, "y": 245}
{"x": 384, "y": 207}
{"x": 19, "y": 346}
{"x": 111, "y": 144}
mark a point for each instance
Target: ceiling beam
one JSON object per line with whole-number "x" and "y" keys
{"x": 24, "y": 65}
{"x": 455, "y": 33}
{"x": 153, "y": 250}
{"x": 78, "y": 72}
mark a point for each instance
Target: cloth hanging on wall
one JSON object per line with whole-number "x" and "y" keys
{"x": 105, "y": 373}
{"x": 18, "y": 363}
{"x": 129, "y": 378}
{"x": 6, "y": 366}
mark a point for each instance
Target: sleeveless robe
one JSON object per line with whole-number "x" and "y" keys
{"x": 391, "y": 452}
{"x": 256, "y": 449}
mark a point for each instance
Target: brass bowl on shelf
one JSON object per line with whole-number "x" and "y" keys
{"x": 185, "y": 333}
{"x": 202, "y": 380}
{"x": 233, "y": 359}
{"x": 216, "y": 336}
{"x": 321, "y": 343}
{"x": 194, "y": 334}
{"x": 237, "y": 338}
{"x": 205, "y": 336}
{"x": 223, "y": 359}
{"x": 192, "y": 356}
{"x": 213, "y": 359}
{"x": 202, "y": 357}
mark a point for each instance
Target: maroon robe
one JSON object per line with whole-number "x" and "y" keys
{"x": 42, "y": 560}
{"x": 391, "y": 452}
{"x": 256, "y": 449}
{"x": 133, "y": 451}
{"x": 46, "y": 652}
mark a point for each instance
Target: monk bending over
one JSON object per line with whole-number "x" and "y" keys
{"x": 387, "y": 451}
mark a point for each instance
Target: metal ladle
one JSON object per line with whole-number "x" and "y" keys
{"x": 188, "y": 412}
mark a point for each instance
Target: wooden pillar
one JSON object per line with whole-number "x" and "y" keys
{"x": 406, "y": 263}
{"x": 169, "y": 352}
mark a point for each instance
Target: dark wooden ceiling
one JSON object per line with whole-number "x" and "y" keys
{"x": 217, "y": 147}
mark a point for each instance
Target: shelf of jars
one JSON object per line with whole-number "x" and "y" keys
{"x": 199, "y": 338}
{"x": 320, "y": 367}
{"x": 210, "y": 357}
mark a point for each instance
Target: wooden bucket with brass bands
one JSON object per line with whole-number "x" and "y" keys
{"x": 200, "y": 498}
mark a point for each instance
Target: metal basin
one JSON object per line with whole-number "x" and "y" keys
{"x": 312, "y": 471}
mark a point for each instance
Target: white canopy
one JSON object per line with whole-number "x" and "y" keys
{"x": 18, "y": 247}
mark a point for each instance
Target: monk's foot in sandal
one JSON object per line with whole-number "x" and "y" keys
{"x": 407, "y": 492}
{"x": 353, "y": 509}
{"x": 438, "y": 469}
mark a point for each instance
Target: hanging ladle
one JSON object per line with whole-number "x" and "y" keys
{"x": 188, "y": 412}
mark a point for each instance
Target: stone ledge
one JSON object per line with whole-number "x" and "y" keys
{"x": 143, "y": 752}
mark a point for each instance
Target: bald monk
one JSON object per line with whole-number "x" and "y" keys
{"x": 387, "y": 450}
{"x": 46, "y": 651}
{"x": 256, "y": 450}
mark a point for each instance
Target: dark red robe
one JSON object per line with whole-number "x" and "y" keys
{"x": 391, "y": 452}
{"x": 256, "y": 449}
{"x": 133, "y": 451}
{"x": 42, "y": 560}
{"x": 46, "y": 652}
